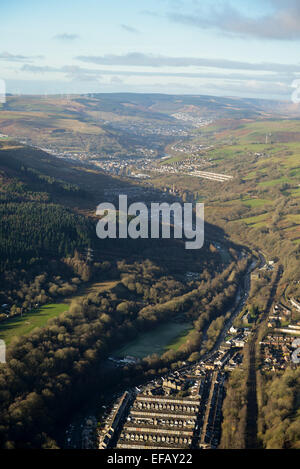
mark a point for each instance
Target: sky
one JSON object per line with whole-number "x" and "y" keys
{"x": 244, "y": 48}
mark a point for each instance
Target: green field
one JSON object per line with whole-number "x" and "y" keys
{"x": 178, "y": 341}
{"x": 94, "y": 287}
{"x": 19, "y": 326}
{"x": 276, "y": 182}
{"x": 294, "y": 218}
{"x": 296, "y": 192}
{"x": 255, "y": 220}
{"x": 162, "y": 338}
{"x": 256, "y": 202}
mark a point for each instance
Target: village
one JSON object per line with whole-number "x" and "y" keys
{"x": 280, "y": 348}
{"x": 182, "y": 409}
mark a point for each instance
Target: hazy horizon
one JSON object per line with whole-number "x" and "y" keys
{"x": 242, "y": 49}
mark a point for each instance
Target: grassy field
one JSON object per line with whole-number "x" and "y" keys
{"x": 294, "y": 218}
{"x": 19, "y": 326}
{"x": 275, "y": 182}
{"x": 178, "y": 341}
{"x": 295, "y": 192}
{"x": 162, "y": 338}
{"x": 97, "y": 287}
{"x": 256, "y": 202}
{"x": 255, "y": 219}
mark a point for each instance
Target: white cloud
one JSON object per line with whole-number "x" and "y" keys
{"x": 283, "y": 23}
{"x": 150, "y": 60}
{"x": 8, "y": 57}
{"x": 130, "y": 29}
{"x": 66, "y": 37}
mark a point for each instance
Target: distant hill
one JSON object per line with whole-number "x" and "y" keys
{"x": 100, "y": 125}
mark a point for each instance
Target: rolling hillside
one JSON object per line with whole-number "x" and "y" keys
{"x": 117, "y": 124}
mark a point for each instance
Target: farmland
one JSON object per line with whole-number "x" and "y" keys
{"x": 263, "y": 158}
